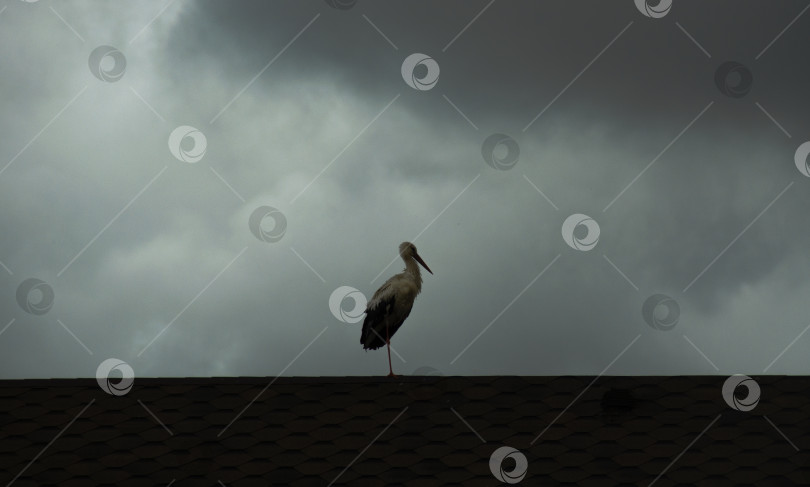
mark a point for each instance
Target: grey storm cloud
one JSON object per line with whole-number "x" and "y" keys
{"x": 156, "y": 255}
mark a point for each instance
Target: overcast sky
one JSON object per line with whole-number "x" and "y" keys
{"x": 311, "y": 152}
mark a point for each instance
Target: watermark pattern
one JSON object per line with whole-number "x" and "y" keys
{"x": 751, "y": 398}
{"x": 654, "y": 8}
{"x": 506, "y": 308}
{"x": 119, "y": 388}
{"x": 517, "y": 473}
{"x": 35, "y": 296}
{"x": 685, "y": 450}
{"x": 701, "y": 353}
{"x": 801, "y": 159}
{"x": 265, "y": 68}
{"x": 90, "y": 352}
{"x": 583, "y": 391}
{"x": 733, "y": 79}
{"x": 61, "y": 432}
{"x": 339, "y": 296}
{"x": 184, "y": 135}
{"x": 341, "y": 4}
{"x": 485, "y": 72}
{"x": 195, "y": 298}
{"x": 368, "y": 446}
{"x": 256, "y": 224}
{"x": 786, "y": 348}
{"x": 577, "y": 77}
{"x": 782, "y": 32}
{"x": 772, "y": 119}
{"x": 694, "y": 41}
{"x": 302, "y": 259}
{"x": 148, "y": 24}
{"x": 738, "y": 236}
{"x": 117, "y": 215}
{"x": 460, "y": 112}
{"x": 50, "y": 122}
{"x": 577, "y": 223}
{"x": 468, "y": 25}
{"x": 99, "y": 64}
{"x": 291, "y": 362}
{"x": 67, "y": 24}
{"x": 500, "y": 151}
{"x": 661, "y": 312}
{"x": 161, "y": 423}
{"x": 658, "y": 156}
{"x": 344, "y": 149}
{"x": 541, "y": 192}
{"x": 373, "y": 25}
{"x": 427, "y": 79}
{"x": 427, "y": 371}
{"x": 468, "y": 425}
{"x": 620, "y": 271}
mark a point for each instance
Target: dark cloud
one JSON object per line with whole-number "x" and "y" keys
{"x": 135, "y": 241}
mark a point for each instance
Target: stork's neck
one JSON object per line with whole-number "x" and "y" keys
{"x": 412, "y": 268}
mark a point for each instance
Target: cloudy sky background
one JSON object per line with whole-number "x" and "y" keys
{"x": 304, "y": 109}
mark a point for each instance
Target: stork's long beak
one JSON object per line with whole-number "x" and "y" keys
{"x": 419, "y": 259}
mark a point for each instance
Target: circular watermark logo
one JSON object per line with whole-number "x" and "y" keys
{"x": 514, "y": 475}
{"x": 259, "y": 216}
{"x": 578, "y": 223}
{"x": 115, "y": 388}
{"x": 500, "y": 151}
{"x": 654, "y": 8}
{"x": 802, "y": 163}
{"x": 187, "y": 135}
{"x": 341, "y": 4}
{"x": 107, "y": 63}
{"x": 661, "y": 312}
{"x": 751, "y": 398}
{"x": 733, "y": 79}
{"x": 337, "y": 298}
{"x": 430, "y": 69}
{"x": 35, "y": 296}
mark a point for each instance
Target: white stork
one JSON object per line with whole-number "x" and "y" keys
{"x": 392, "y": 303}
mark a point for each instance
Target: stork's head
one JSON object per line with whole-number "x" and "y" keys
{"x": 407, "y": 251}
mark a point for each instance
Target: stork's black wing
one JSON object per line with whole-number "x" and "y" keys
{"x": 379, "y": 312}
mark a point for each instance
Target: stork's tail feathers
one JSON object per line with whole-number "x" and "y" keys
{"x": 369, "y": 338}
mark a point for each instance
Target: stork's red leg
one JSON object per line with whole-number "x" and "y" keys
{"x": 388, "y": 345}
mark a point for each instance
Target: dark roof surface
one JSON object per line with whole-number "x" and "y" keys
{"x": 426, "y": 431}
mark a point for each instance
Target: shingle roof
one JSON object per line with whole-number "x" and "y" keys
{"x": 426, "y": 431}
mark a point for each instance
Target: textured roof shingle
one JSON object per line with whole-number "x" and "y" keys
{"x": 409, "y": 430}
